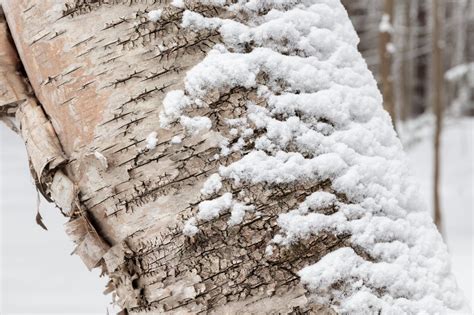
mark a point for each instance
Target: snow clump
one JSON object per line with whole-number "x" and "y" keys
{"x": 319, "y": 119}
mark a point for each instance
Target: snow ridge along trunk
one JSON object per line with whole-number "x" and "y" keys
{"x": 228, "y": 157}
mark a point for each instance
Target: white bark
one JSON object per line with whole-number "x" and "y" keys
{"x": 101, "y": 70}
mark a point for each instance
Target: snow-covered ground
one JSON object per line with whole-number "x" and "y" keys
{"x": 38, "y": 276}
{"x": 457, "y": 191}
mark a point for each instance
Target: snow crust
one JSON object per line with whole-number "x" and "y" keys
{"x": 385, "y": 26}
{"x": 459, "y": 71}
{"x": 178, "y": 3}
{"x": 322, "y": 120}
{"x": 190, "y": 228}
{"x": 212, "y": 185}
{"x": 154, "y": 15}
{"x": 194, "y": 125}
{"x": 359, "y": 276}
{"x": 102, "y": 159}
{"x": 211, "y": 209}
{"x": 176, "y": 140}
{"x": 151, "y": 140}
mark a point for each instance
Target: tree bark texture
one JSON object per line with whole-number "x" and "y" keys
{"x": 100, "y": 71}
{"x": 99, "y": 77}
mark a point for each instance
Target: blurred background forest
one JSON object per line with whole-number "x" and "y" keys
{"x": 422, "y": 55}
{"x": 399, "y": 35}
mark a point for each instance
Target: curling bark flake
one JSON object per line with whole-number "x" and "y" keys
{"x": 17, "y": 100}
{"x": 101, "y": 71}
{"x": 12, "y": 86}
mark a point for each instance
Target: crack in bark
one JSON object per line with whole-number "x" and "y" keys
{"x": 128, "y": 218}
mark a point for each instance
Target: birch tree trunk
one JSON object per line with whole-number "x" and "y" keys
{"x": 212, "y": 163}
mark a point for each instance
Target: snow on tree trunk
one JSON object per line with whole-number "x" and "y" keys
{"x": 226, "y": 157}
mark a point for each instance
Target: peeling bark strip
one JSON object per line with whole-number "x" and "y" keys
{"x": 46, "y": 158}
{"x": 41, "y": 142}
{"x": 176, "y": 215}
{"x": 12, "y": 87}
{"x": 44, "y": 149}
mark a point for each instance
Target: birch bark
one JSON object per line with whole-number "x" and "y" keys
{"x": 100, "y": 71}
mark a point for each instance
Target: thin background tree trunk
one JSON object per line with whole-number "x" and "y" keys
{"x": 406, "y": 79}
{"x": 438, "y": 100}
{"x": 386, "y": 60}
